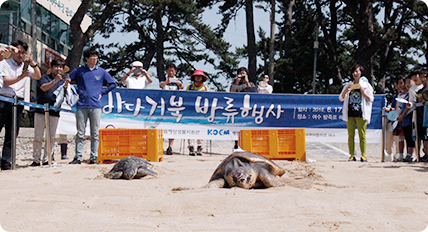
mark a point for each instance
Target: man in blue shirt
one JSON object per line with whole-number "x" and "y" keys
{"x": 90, "y": 79}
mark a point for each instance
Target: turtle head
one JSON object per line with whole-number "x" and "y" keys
{"x": 243, "y": 178}
{"x": 129, "y": 173}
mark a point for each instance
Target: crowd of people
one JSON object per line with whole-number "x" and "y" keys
{"x": 409, "y": 129}
{"x": 16, "y": 66}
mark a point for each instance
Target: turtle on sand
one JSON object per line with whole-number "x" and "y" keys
{"x": 246, "y": 170}
{"x": 131, "y": 167}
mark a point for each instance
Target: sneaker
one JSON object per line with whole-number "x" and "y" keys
{"x": 363, "y": 158}
{"x": 75, "y": 161}
{"x": 169, "y": 151}
{"x": 64, "y": 157}
{"x": 191, "y": 151}
{"x": 352, "y": 158}
{"x": 6, "y": 165}
{"x": 34, "y": 164}
{"x": 408, "y": 158}
{"x": 400, "y": 158}
{"x": 93, "y": 161}
{"x": 424, "y": 158}
{"x": 413, "y": 159}
{"x": 199, "y": 150}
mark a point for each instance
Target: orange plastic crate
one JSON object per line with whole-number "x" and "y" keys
{"x": 116, "y": 144}
{"x": 275, "y": 143}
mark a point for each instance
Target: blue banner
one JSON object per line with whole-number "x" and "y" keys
{"x": 230, "y": 109}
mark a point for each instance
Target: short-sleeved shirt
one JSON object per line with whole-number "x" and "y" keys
{"x": 171, "y": 86}
{"x": 420, "y": 107}
{"x": 354, "y": 105}
{"x": 196, "y": 88}
{"x": 11, "y": 69}
{"x": 242, "y": 87}
{"x": 48, "y": 96}
{"x": 264, "y": 89}
{"x": 407, "y": 119}
{"x": 90, "y": 85}
{"x": 1, "y": 73}
{"x": 132, "y": 82}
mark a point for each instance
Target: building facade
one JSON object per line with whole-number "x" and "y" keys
{"x": 52, "y": 19}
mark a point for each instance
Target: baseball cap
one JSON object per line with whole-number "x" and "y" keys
{"x": 137, "y": 64}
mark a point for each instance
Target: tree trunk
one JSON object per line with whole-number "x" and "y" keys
{"x": 251, "y": 42}
{"x": 79, "y": 38}
{"x": 330, "y": 36}
{"x": 160, "y": 65}
{"x": 362, "y": 13}
{"x": 287, "y": 26}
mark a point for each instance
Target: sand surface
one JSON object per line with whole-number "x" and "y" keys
{"x": 329, "y": 194}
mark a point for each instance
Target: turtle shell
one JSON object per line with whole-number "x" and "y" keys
{"x": 251, "y": 157}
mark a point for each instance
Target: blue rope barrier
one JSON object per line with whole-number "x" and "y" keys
{"x": 33, "y": 105}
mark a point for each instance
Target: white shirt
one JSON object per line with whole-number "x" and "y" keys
{"x": 264, "y": 88}
{"x": 132, "y": 82}
{"x": 11, "y": 69}
{"x": 1, "y": 73}
{"x": 366, "y": 105}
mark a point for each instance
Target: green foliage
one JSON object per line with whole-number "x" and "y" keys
{"x": 389, "y": 45}
{"x": 187, "y": 41}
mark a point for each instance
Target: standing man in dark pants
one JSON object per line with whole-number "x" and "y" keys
{"x": 90, "y": 80}
{"x": 14, "y": 78}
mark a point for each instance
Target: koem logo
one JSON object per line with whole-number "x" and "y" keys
{"x": 217, "y": 132}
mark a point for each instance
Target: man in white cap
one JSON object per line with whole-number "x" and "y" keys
{"x": 137, "y": 77}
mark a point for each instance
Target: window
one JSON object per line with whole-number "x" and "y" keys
{"x": 55, "y": 27}
{"x": 26, "y": 10}
{"x": 64, "y": 32}
{"x": 51, "y": 30}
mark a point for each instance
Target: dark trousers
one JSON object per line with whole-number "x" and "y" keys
{"x": 6, "y": 122}
{"x": 31, "y": 117}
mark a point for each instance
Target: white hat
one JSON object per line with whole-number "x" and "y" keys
{"x": 137, "y": 64}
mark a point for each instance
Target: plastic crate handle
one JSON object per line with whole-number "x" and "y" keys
{"x": 111, "y": 126}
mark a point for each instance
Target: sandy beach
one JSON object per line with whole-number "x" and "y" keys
{"x": 326, "y": 194}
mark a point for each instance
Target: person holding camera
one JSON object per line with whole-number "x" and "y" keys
{"x": 241, "y": 83}
{"x": 15, "y": 71}
{"x": 137, "y": 77}
{"x": 264, "y": 86}
{"x": 171, "y": 82}
{"x": 46, "y": 86}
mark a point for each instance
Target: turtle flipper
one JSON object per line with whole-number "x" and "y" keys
{"x": 270, "y": 180}
{"x": 218, "y": 183}
{"x": 144, "y": 171}
{"x": 113, "y": 175}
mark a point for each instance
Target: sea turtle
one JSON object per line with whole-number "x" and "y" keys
{"x": 246, "y": 170}
{"x": 131, "y": 167}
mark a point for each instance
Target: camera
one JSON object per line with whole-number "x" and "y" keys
{"x": 138, "y": 70}
{"x": 64, "y": 75}
{"x": 26, "y": 64}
